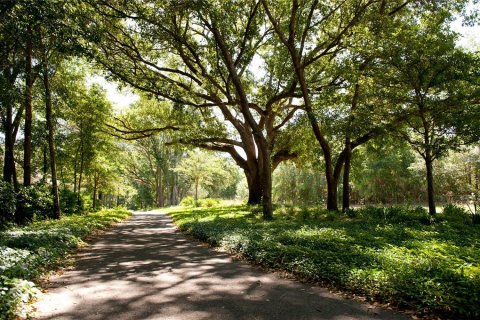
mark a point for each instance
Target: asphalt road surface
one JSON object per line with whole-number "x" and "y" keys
{"x": 145, "y": 269}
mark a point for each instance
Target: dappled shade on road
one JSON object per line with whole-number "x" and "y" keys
{"x": 146, "y": 269}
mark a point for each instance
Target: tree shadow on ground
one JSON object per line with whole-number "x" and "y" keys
{"x": 145, "y": 269}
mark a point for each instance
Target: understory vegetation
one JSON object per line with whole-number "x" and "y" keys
{"x": 332, "y": 104}
{"x": 26, "y": 253}
{"x": 397, "y": 255}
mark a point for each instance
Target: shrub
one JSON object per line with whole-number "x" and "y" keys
{"x": 281, "y": 211}
{"x": 351, "y": 213}
{"x": 36, "y": 202}
{"x": 476, "y": 218}
{"x": 305, "y": 213}
{"x": 187, "y": 202}
{"x": 378, "y": 260}
{"x": 70, "y": 203}
{"x": 86, "y": 203}
{"x": 208, "y": 202}
{"x": 28, "y": 252}
{"x": 7, "y": 203}
{"x": 395, "y": 214}
{"x": 456, "y": 214}
{"x": 13, "y": 293}
{"x": 372, "y": 213}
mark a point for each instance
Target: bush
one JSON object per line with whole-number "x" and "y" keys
{"x": 377, "y": 260}
{"x": 13, "y": 293}
{"x": 69, "y": 202}
{"x": 456, "y": 214}
{"x": 395, "y": 214}
{"x": 208, "y": 202}
{"x": 372, "y": 213}
{"x": 35, "y": 201}
{"x": 28, "y": 252}
{"x": 7, "y": 203}
{"x": 351, "y": 213}
{"x": 187, "y": 202}
{"x": 476, "y": 218}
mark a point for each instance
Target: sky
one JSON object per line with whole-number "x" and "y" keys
{"x": 120, "y": 98}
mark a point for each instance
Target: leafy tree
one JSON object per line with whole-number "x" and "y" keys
{"x": 148, "y": 127}
{"x": 11, "y": 66}
{"x": 315, "y": 34}
{"x": 208, "y": 67}
{"x": 383, "y": 173}
{"x": 298, "y": 183}
{"x": 82, "y": 112}
{"x": 433, "y": 81}
{"x": 202, "y": 169}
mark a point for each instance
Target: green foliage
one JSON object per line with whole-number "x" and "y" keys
{"x": 28, "y": 252}
{"x": 7, "y": 203}
{"x": 204, "y": 170}
{"x": 298, "y": 184}
{"x": 13, "y": 293}
{"x": 377, "y": 253}
{"x": 208, "y": 202}
{"x": 188, "y": 201}
{"x": 456, "y": 214}
{"x": 395, "y": 214}
{"x": 70, "y": 203}
{"x": 382, "y": 174}
{"x": 35, "y": 201}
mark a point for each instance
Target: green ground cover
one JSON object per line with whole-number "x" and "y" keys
{"x": 394, "y": 255}
{"x": 26, "y": 253}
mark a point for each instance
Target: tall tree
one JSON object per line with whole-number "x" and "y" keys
{"x": 27, "y": 131}
{"x": 50, "y": 128}
{"x": 202, "y": 169}
{"x": 11, "y": 66}
{"x": 437, "y": 81}
{"x": 191, "y": 54}
{"x": 317, "y": 33}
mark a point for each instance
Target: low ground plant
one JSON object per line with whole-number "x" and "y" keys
{"x": 396, "y": 255}
{"x": 26, "y": 253}
{"x": 207, "y": 202}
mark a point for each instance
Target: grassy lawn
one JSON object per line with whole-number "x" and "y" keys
{"x": 394, "y": 256}
{"x": 27, "y": 253}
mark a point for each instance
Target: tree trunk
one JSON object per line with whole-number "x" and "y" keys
{"x": 430, "y": 190}
{"x": 9, "y": 160}
{"x": 267, "y": 186}
{"x": 346, "y": 176}
{"x": 332, "y": 182}
{"x": 80, "y": 175}
{"x": 159, "y": 188}
{"x": 27, "y": 146}
{"x": 476, "y": 194}
{"x": 45, "y": 164}
{"x": 94, "y": 198}
{"x": 255, "y": 188}
{"x": 332, "y": 185}
{"x": 174, "y": 191}
{"x": 75, "y": 169}
{"x": 348, "y": 145}
{"x": 11, "y": 126}
{"x": 51, "y": 140}
{"x": 196, "y": 192}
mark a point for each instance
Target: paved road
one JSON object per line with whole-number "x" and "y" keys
{"x": 145, "y": 269}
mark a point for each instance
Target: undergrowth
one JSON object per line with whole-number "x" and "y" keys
{"x": 26, "y": 253}
{"x": 396, "y": 255}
